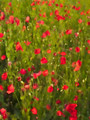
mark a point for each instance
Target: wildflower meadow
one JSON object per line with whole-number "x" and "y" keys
{"x": 44, "y": 60}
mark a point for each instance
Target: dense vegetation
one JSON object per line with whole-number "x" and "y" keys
{"x": 44, "y": 60}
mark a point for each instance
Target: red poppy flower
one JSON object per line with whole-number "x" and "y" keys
{"x": 33, "y": 67}
{"x": 23, "y": 71}
{"x": 45, "y": 73}
{"x": 73, "y": 64}
{"x": 29, "y": 69}
{"x": 68, "y": 32}
{"x": 35, "y": 86}
{"x": 77, "y": 68}
{"x": 11, "y": 19}
{"x": 34, "y": 111}
{"x": 61, "y": 5}
{"x": 36, "y": 98}
{"x": 80, "y": 21}
{"x": 26, "y": 87}
{"x": 32, "y": 4}
{"x": 70, "y": 49}
{"x": 44, "y": 14}
{"x": 2, "y": 16}
{"x": 75, "y": 98}
{"x": 56, "y": 12}
{"x": 55, "y": 81}
{"x": 88, "y": 51}
{"x": 3, "y": 57}
{"x": 58, "y": 101}
{"x": 72, "y": 118}
{"x": 88, "y": 23}
{"x": 18, "y": 46}
{"x": 76, "y": 84}
{"x": 77, "y": 49}
{"x": 77, "y": 8}
{"x": 37, "y": 51}
{"x": 10, "y": 89}
{"x": 1, "y": 35}
{"x": 10, "y": 4}
{"x": 27, "y": 43}
{"x": 24, "y": 28}
{"x": 65, "y": 87}
{"x": 17, "y": 21}
{"x": 52, "y": 73}
{"x": 76, "y": 34}
{"x": 62, "y": 60}
{"x": 47, "y": 33}
{"x": 1, "y": 87}
{"x": 44, "y": 35}
{"x": 27, "y": 19}
{"x": 50, "y": 89}
{"x": 63, "y": 53}
{"x": 71, "y": 107}
{"x": 48, "y": 107}
{"x": 78, "y": 63}
{"x": 51, "y": 13}
{"x": 49, "y": 51}
{"x": 2, "y": 111}
{"x": 44, "y": 60}
{"x": 88, "y": 41}
{"x": 59, "y": 113}
{"x": 4, "y": 76}
{"x": 40, "y": 22}
{"x": 19, "y": 78}
{"x": 35, "y": 75}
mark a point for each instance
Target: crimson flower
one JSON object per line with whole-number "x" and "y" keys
{"x": 2, "y": 16}
{"x": 27, "y": 19}
{"x": 45, "y": 73}
{"x": 10, "y": 89}
{"x": 47, "y": 33}
{"x": 1, "y": 87}
{"x": 3, "y": 113}
{"x": 59, "y": 113}
{"x": 88, "y": 41}
{"x": 27, "y": 43}
{"x": 11, "y": 19}
{"x": 62, "y": 60}
{"x": 50, "y": 89}
{"x": 44, "y": 60}
{"x": 63, "y": 53}
{"x": 76, "y": 84}
{"x": 17, "y": 21}
{"x": 75, "y": 98}
{"x": 48, "y": 107}
{"x": 3, "y": 57}
{"x": 18, "y": 46}
{"x": 4, "y": 76}
{"x": 37, "y": 51}
{"x": 1, "y": 35}
{"x": 77, "y": 49}
{"x": 58, "y": 102}
{"x": 35, "y": 86}
{"x": 80, "y": 21}
{"x": 65, "y": 87}
{"x": 34, "y": 111}
{"x": 72, "y": 118}
{"x": 23, "y": 71}
{"x": 68, "y": 32}
{"x": 35, "y": 75}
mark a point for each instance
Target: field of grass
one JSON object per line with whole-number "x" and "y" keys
{"x": 44, "y": 60}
